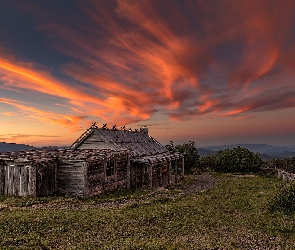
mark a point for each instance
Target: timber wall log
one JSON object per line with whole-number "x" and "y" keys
{"x": 82, "y": 172}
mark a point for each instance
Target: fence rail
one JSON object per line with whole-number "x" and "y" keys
{"x": 286, "y": 176}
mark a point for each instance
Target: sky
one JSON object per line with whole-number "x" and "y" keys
{"x": 214, "y": 72}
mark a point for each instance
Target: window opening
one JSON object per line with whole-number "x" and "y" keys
{"x": 110, "y": 168}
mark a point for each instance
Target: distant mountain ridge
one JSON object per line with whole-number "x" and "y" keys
{"x": 8, "y": 147}
{"x": 266, "y": 151}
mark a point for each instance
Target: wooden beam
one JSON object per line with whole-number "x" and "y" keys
{"x": 128, "y": 172}
{"x": 2, "y": 179}
{"x": 182, "y": 166}
{"x": 169, "y": 172}
{"x": 150, "y": 169}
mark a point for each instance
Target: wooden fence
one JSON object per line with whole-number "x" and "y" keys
{"x": 286, "y": 176}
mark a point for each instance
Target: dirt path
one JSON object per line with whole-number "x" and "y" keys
{"x": 201, "y": 182}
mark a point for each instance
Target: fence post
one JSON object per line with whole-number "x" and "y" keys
{"x": 32, "y": 180}
{"x": 2, "y": 183}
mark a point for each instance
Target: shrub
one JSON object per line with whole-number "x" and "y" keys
{"x": 190, "y": 152}
{"x": 237, "y": 159}
{"x": 284, "y": 200}
{"x": 207, "y": 162}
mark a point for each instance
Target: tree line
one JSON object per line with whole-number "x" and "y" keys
{"x": 236, "y": 159}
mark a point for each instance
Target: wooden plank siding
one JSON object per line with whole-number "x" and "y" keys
{"x": 71, "y": 178}
{"x": 95, "y": 141}
{"x": 2, "y": 177}
{"x": 101, "y": 160}
{"x": 23, "y": 180}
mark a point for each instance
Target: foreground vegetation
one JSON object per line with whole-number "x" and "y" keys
{"x": 231, "y": 215}
{"x": 284, "y": 200}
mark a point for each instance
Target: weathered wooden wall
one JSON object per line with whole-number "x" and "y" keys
{"x": 70, "y": 178}
{"x": 46, "y": 178}
{"x": 27, "y": 180}
{"x": 95, "y": 141}
{"x": 16, "y": 180}
{"x": 83, "y": 172}
{"x": 157, "y": 172}
{"x": 123, "y": 171}
{"x": 65, "y": 172}
{"x": 97, "y": 179}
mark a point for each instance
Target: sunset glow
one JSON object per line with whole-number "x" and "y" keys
{"x": 213, "y": 72}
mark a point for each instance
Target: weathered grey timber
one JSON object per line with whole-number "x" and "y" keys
{"x": 89, "y": 176}
{"x": 138, "y": 143}
{"x": 27, "y": 178}
{"x": 286, "y": 176}
{"x": 151, "y": 164}
{"x": 65, "y": 172}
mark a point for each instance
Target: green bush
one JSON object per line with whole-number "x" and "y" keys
{"x": 237, "y": 159}
{"x": 190, "y": 152}
{"x": 207, "y": 162}
{"x": 284, "y": 200}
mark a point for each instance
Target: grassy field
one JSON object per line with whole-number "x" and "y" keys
{"x": 231, "y": 215}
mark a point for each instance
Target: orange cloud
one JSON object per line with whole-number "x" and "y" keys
{"x": 8, "y": 113}
{"x": 45, "y": 116}
{"x": 30, "y": 139}
{"x": 235, "y": 112}
{"x": 158, "y": 61}
{"x": 25, "y": 75}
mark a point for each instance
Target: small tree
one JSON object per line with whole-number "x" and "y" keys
{"x": 190, "y": 152}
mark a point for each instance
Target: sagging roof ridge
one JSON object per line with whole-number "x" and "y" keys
{"x": 141, "y": 143}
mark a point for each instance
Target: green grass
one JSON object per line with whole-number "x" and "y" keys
{"x": 232, "y": 215}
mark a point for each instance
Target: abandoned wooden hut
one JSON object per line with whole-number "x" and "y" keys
{"x": 101, "y": 159}
{"x": 63, "y": 172}
{"x": 151, "y": 164}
